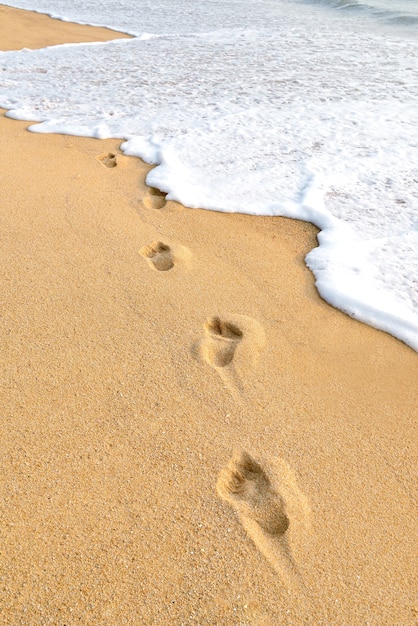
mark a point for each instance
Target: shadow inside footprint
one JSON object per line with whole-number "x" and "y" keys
{"x": 154, "y": 191}
{"x": 108, "y": 159}
{"x": 155, "y": 199}
{"x": 221, "y": 341}
{"x": 273, "y": 512}
{"x": 159, "y": 255}
{"x": 244, "y": 484}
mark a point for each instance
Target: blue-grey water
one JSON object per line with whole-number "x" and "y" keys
{"x": 396, "y": 12}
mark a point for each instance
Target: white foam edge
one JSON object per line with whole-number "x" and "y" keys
{"x": 340, "y": 258}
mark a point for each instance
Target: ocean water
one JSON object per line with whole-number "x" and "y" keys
{"x": 301, "y": 108}
{"x": 402, "y": 12}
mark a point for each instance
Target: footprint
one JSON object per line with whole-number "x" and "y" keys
{"x": 269, "y": 517}
{"x": 232, "y": 345}
{"x": 108, "y": 159}
{"x": 245, "y": 485}
{"x": 222, "y": 339}
{"x": 159, "y": 255}
{"x": 154, "y": 199}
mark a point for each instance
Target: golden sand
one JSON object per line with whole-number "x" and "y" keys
{"x": 189, "y": 434}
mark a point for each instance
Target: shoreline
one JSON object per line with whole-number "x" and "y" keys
{"x": 39, "y": 30}
{"x": 139, "y": 350}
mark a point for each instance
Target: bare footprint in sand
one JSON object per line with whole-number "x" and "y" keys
{"x": 245, "y": 485}
{"x": 154, "y": 199}
{"x": 162, "y": 256}
{"x": 159, "y": 255}
{"x": 108, "y": 159}
{"x": 222, "y": 339}
{"x": 232, "y": 345}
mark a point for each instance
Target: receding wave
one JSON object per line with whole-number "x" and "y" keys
{"x": 401, "y": 12}
{"x": 403, "y": 20}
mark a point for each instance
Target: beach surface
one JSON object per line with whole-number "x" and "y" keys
{"x": 189, "y": 434}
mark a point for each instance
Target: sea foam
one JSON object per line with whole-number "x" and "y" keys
{"x": 268, "y": 108}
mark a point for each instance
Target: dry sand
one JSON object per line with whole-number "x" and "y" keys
{"x": 142, "y": 343}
